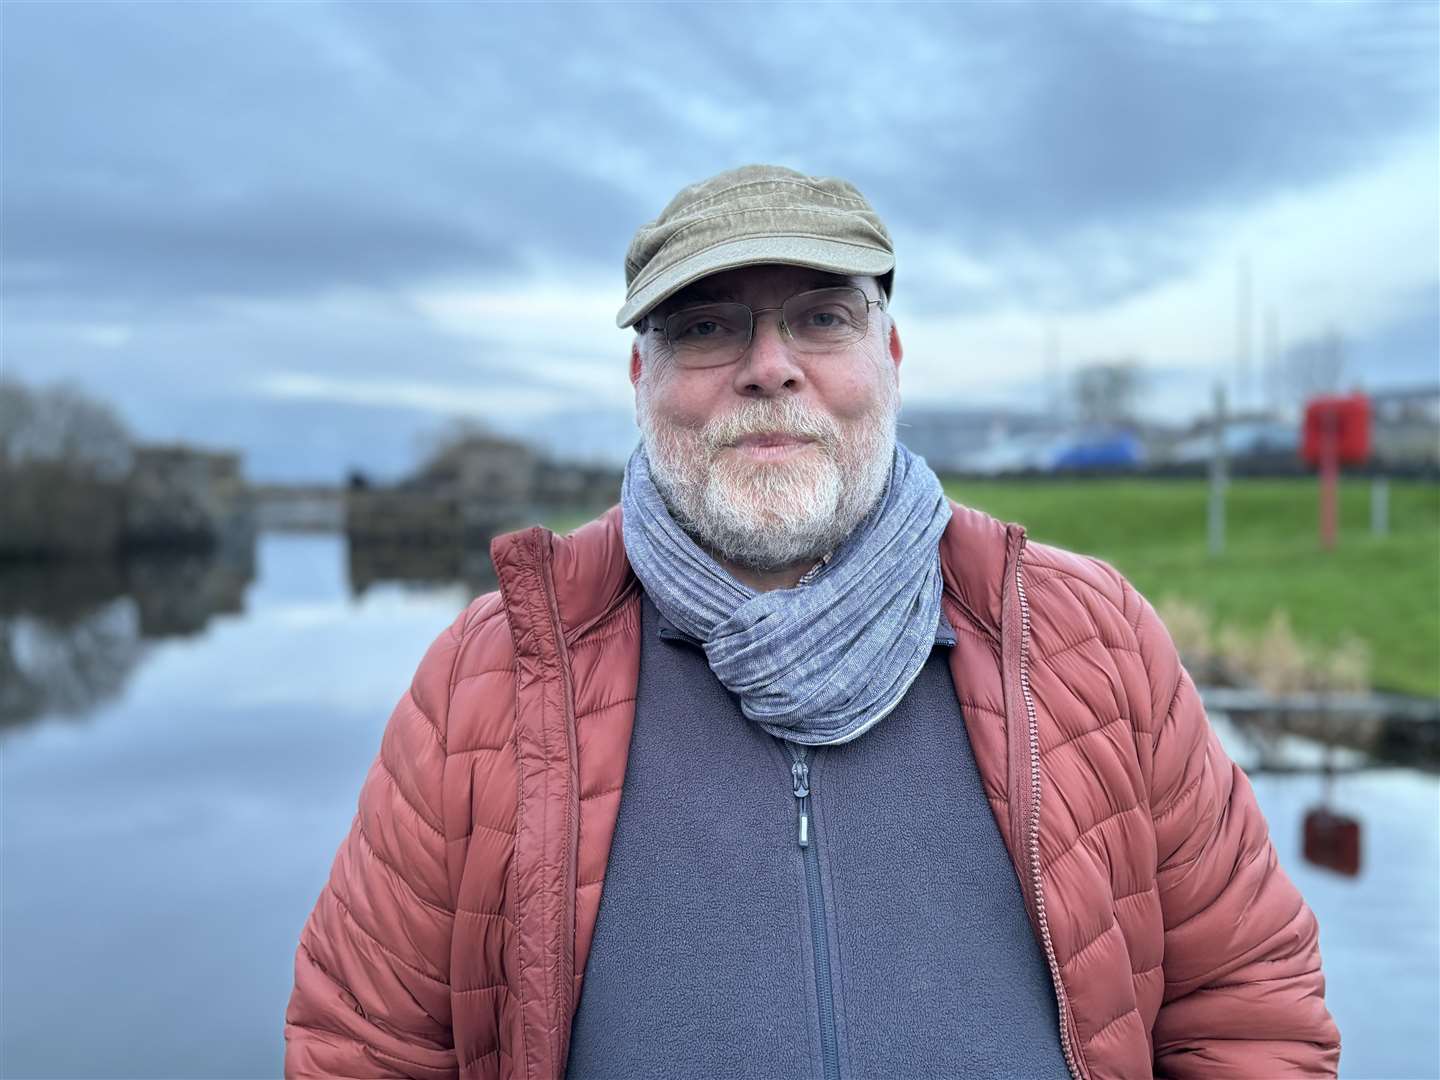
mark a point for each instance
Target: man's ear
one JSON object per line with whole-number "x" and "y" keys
{"x": 897, "y": 351}
{"x": 635, "y": 361}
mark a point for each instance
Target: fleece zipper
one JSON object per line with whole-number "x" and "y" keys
{"x": 819, "y": 935}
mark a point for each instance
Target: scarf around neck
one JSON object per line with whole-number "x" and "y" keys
{"x": 820, "y": 663}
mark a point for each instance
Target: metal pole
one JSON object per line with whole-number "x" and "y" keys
{"x": 1380, "y": 506}
{"x": 1243, "y": 334}
{"x": 1052, "y": 370}
{"x": 1218, "y": 476}
{"x": 1272, "y": 360}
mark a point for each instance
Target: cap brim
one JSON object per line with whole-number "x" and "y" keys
{"x": 832, "y": 256}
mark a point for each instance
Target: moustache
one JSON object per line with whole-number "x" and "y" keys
{"x": 773, "y": 416}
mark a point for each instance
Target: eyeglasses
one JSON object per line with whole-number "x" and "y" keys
{"x": 818, "y": 321}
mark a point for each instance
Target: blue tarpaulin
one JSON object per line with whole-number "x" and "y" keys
{"x": 1105, "y": 452}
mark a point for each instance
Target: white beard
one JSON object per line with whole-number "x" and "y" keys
{"x": 767, "y": 515}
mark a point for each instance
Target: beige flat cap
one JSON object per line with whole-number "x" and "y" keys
{"x": 754, "y": 215}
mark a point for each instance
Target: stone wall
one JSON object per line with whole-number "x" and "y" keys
{"x": 473, "y": 490}
{"x": 177, "y": 495}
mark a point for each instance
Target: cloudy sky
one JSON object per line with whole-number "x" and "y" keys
{"x": 313, "y": 232}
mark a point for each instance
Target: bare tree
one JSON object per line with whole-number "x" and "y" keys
{"x": 62, "y": 426}
{"x": 1105, "y": 392}
{"x": 434, "y": 444}
{"x": 64, "y": 458}
{"x": 17, "y": 419}
{"x": 1314, "y": 366}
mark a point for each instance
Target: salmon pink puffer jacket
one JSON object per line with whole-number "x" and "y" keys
{"x": 451, "y": 938}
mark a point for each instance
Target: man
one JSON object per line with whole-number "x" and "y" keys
{"x": 873, "y": 786}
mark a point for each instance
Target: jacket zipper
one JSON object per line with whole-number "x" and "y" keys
{"x": 565, "y": 1000}
{"x": 819, "y": 938}
{"x": 1032, "y": 828}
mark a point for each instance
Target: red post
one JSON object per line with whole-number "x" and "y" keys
{"x": 1329, "y": 479}
{"x": 1336, "y": 432}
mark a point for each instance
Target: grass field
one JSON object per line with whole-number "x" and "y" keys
{"x": 1385, "y": 591}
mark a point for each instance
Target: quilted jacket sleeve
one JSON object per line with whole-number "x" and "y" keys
{"x": 372, "y": 994}
{"x": 1244, "y": 994}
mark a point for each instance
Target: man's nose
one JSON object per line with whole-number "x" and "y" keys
{"x": 769, "y": 365}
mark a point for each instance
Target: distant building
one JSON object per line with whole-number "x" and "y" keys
{"x": 967, "y": 439}
{"x": 179, "y": 495}
{"x": 1260, "y": 437}
{"x": 990, "y": 442}
{"x": 1406, "y": 426}
{"x": 486, "y": 467}
{"x": 1405, "y": 435}
{"x": 471, "y": 489}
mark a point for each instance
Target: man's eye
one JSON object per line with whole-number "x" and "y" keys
{"x": 702, "y": 328}
{"x": 826, "y": 320}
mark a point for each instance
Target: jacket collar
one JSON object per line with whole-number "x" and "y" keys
{"x": 591, "y": 575}
{"x": 977, "y": 552}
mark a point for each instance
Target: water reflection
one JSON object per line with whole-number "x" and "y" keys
{"x": 71, "y": 633}
{"x": 178, "y": 596}
{"x": 1332, "y": 841}
{"x": 423, "y": 564}
{"x": 65, "y": 666}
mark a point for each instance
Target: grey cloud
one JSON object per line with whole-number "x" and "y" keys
{"x": 1095, "y": 112}
{"x": 161, "y": 152}
{"x": 1407, "y": 352}
{"x": 259, "y": 243}
{"x": 1128, "y": 123}
{"x": 220, "y": 345}
{"x": 266, "y": 148}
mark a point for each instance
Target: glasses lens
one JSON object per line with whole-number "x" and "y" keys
{"x": 708, "y": 334}
{"x": 826, "y": 318}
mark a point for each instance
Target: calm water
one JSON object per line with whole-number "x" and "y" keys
{"x": 183, "y": 744}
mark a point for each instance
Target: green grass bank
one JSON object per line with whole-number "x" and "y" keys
{"x": 1384, "y": 590}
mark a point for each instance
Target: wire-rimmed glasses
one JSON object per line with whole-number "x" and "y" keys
{"x": 816, "y": 321}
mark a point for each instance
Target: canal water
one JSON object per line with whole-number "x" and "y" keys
{"x": 182, "y": 743}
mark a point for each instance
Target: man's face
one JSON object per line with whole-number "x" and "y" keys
{"x": 773, "y": 459}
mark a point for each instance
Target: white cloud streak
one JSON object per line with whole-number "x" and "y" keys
{"x": 443, "y": 399}
{"x": 1351, "y": 253}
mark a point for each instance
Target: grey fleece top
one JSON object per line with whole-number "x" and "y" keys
{"x": 703, "y": 963}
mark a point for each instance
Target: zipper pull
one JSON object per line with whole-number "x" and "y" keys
{"x": 800, "y": 776}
